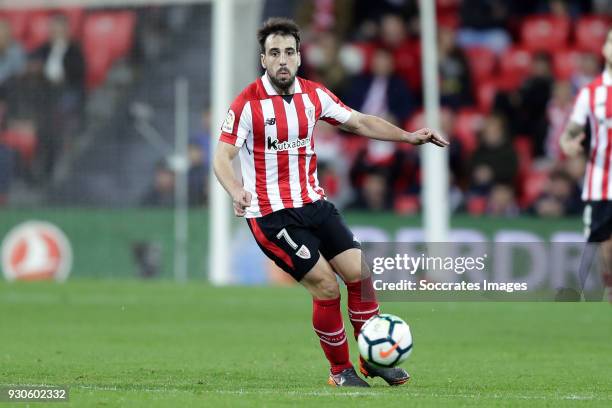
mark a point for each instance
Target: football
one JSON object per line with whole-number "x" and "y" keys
{"x": 385, "y": 340}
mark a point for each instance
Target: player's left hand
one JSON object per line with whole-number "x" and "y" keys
{"x": 427, "y": 135}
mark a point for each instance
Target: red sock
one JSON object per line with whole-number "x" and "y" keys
{"x": 327, "y": 324}
{"x": 362, "y": 303}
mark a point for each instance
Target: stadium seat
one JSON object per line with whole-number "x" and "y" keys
{"x": 515, "y": 65}
{"x": 448, "y": 20}
{"x": 482, "y": 63}
{"x": 107, "y": 36}
{"x": 415, "y": 121}
{"x": 18, "y": 19}
{"x": 485, "y": 95}
{"x": 591, "y": 32}
{"x": 110, "y": 31}
{"x": 533, "y": 186}
{"x": 565, "y": 63}
{"x": 445, "y": 6}
{"x": 476, "y": 205}
{"x": 544, "y": 32}
{"x": 467, "y": 125}
{"x": 523, "y": 146}
{"x": 351, "y": 145}
{"x": 23, "y": 140}
{"x": 38, "y": 30}
{"x": 98, "y": 64}
{"x": 406, "y": 204}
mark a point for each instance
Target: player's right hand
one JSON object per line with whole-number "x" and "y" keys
{"x": 572, "y": 147}
{"x": 242, "y": 200}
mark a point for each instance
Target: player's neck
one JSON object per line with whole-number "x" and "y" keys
{"x": 608, "y": 69}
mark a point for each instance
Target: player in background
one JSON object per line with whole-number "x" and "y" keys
{"x": 594, "y": 102}
{"x": 270, "y": 126}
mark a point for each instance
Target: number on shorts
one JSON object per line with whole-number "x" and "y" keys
{"x": 284, "y": 234}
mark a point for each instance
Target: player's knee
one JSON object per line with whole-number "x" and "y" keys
{"x": 327, "y": 289}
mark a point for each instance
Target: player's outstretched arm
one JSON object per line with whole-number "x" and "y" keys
{"x": 222, "y": 165}
{"x": 571, "y": 139}
{"x": 378, "y": 128}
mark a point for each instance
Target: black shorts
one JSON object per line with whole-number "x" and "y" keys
{"x": 293, "y": 237}
{"x": 598, "y": 221}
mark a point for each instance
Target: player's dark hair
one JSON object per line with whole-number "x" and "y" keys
{"x": 278, "y": 26}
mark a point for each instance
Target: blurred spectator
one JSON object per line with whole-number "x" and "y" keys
{"x": 367, "y": 10}
{"x": 374, "y": 193}
{"x": 502, "y": 201}
{"x": 62, "y": 61}
{"x": 560, "y": 197}
{"x": 7, "y": 165}
{"x": 588, "y": 69}
{"x": 456, "y": 159}
{"x": 381, "y": 93}
{"x": 321, "y": 61}
{"x": 602, "y": 7}
{"x": 563, "y": 8}
{"x": 406, "y": 52}
{"x": 319, "y": 16}
{"x": 12, "y": 56}
{"x": 558, "y": 111}
{"x": 455, "y": 80}
{"x": 483, "y": 24}
{"x": 527, "y": 106}
{"x": 197, "y": 175}
{"x": 494, "y": 161}
{"x": 201, "y": 136}
{"x": 575, "y": 168}
{"x": 161, "y": 193}
{"x": 62, "y": 65}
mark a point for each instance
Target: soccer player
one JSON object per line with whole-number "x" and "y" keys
{"x": 270, "y": 125}
{"x": 594, "y": 102}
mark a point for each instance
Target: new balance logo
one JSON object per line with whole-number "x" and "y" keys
{"x": 270, "y": 121}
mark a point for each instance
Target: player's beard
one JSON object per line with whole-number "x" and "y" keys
{"x": 284, "y": 84}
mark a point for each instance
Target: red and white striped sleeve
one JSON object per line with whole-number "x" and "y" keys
{"x": 581, "y": 109}
{"x": 333, "y": 110}
{"x": 237, "y": 124}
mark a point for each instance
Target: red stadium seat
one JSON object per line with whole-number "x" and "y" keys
{"x": 447, "y": 5}
{"x": 21, "y": 139}
{"x": 467, "y": 125}
{"x": 565, "y": 63}
{"x": 407, "y": 204}
{"x": 107, "y": 36}
{"x": 415, "y": 122}
{"x": 485, "y": 95}
{"x": 448, "y": 20}
{"x": 545, "y": 32}
{"x": 533, "y": 186}
{"x": 476, "y": 205}
{"x": 110, "y": 30}
{"x": 523, "y": 146}
{"x": 38, "y": 30}
{"x": 482, "y": 62}
{"x": 18, "y": 19}
{"x": 515, "y": 65}
{"x": 591, "y": 33}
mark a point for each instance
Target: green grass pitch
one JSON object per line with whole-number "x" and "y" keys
{"x": 154, "y": 344}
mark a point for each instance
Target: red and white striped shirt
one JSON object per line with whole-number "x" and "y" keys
{"x": 277, "y": 157}
{"x": 594, "y": 102}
